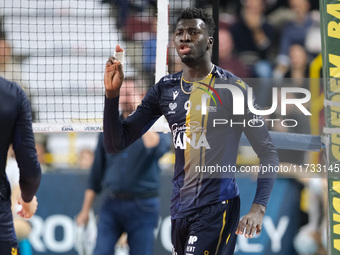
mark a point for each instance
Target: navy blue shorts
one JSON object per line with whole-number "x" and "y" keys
{"x": 210, "y": 231}
{"x": 8, "y": 241}
{"x": 9, "y": 248}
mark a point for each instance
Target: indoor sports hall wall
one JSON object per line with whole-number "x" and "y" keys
{"x": 61, "y": 195}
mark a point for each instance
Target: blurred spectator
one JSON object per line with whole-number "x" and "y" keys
{"x": 85, "y": 159}
{"x": 227, "y": 58}
{"x": 313, "y": 37}
{"x": 120, "y": 10}
{"x": 298, "y": 71}
{"x": 123, "y": 8}
{"x": 312, "y": 237}
{"x": 8, "y": 69}
{"x": 149, "y": 46}
{"x": 253, "y": 37}
{"x": 130, "y": 182}
{"x": 273, "y": 5}
{"x": 299, "y": 65}
{"x": 279, "y": 15}
{"x": 293, "y": 33}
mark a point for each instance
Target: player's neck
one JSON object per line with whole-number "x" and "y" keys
{"x": 198, "y": 72}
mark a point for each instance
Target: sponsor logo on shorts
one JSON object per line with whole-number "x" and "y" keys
{"x": 173, "y": 252}
{"x": 14, "y": 251}
{"x": 192, "y": 239}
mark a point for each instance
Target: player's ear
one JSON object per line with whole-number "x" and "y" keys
{"x": 210, "y": 42}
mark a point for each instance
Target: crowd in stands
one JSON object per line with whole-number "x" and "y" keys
{"x": 257, "y": 38}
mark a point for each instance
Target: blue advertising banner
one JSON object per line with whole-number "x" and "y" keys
{"x": 60, "y": 198}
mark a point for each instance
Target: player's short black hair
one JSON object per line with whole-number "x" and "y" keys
{"x": 196, "y": 13}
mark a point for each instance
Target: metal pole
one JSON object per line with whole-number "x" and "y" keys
{"x": 216, "y": 15}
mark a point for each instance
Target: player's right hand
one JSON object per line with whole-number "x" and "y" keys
{"x": 113, "y": 76}
{"x": 251, "y": 223}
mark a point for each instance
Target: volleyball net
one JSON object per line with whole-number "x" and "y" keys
{"x": 57, "y": 50}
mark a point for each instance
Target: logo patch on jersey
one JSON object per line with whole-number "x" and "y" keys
{"x": 172, "y": 106}
{"x": 205, "y": 97}
{"x": 175, "y": 94}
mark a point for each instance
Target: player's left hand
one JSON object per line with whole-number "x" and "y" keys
{"x": 252, "y": 222}
{"x": 114, "y": 75}
{"x": 28, "y": 208}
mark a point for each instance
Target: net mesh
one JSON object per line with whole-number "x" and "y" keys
{"x": 56, "y": 50}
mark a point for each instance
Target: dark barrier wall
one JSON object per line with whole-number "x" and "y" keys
{"x": 61, "y": 194}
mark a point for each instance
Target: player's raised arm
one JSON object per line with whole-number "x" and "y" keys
{"x": 113, "y": 76}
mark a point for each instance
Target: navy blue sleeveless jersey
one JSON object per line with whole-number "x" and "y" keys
{"x": 206, "y": 119}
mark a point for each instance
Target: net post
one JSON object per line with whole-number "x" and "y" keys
{"x": 162, "y": 38}
{"x": 162, "y": 53}
{"x": 216, "y": 17}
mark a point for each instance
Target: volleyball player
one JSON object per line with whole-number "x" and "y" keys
{"x": 16, "y": 129}
{"x": 205, "y": 206}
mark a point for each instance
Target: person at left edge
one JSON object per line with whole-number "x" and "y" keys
{"x": 16, "y": 129}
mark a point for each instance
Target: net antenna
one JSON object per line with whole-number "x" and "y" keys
{"x": 161, "y": 125}
{"x": 64, "y": 71}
